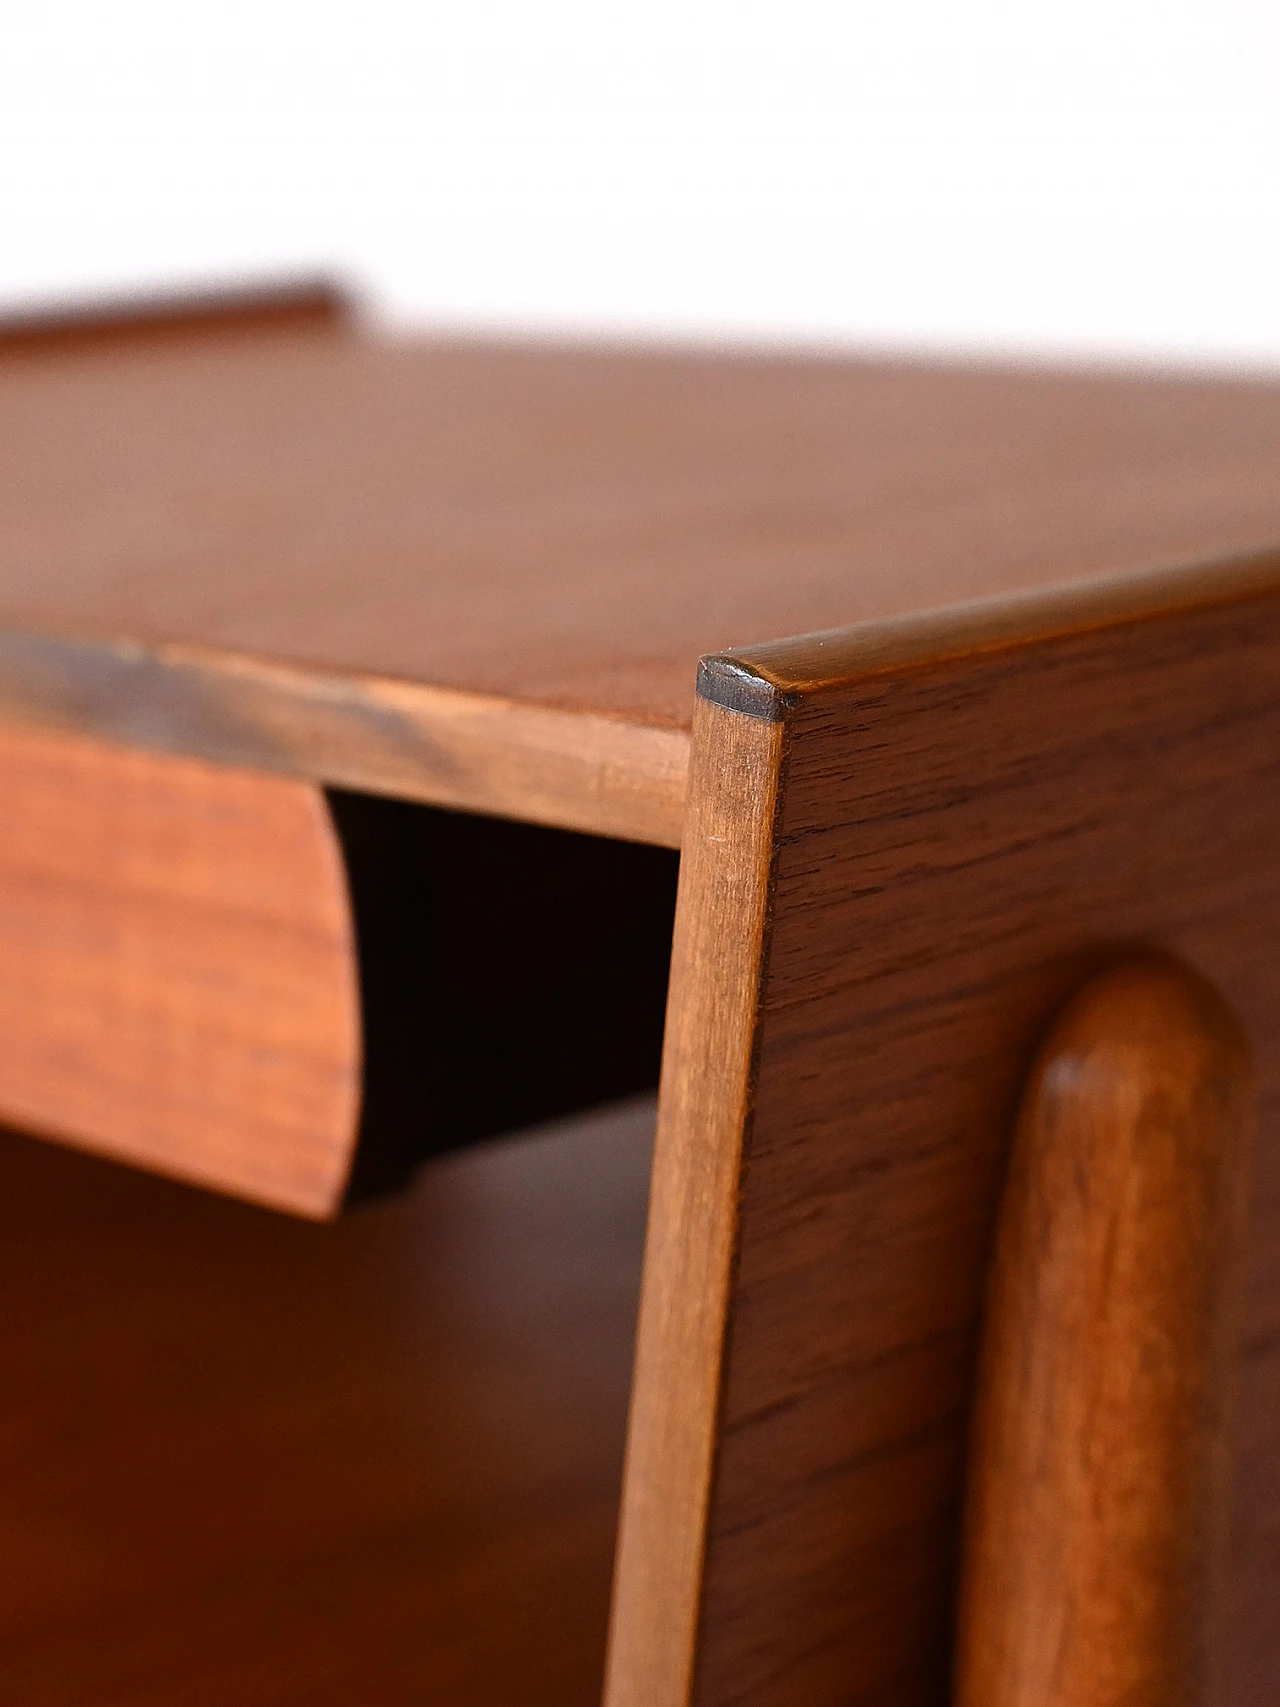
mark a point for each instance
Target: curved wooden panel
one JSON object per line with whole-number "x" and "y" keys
{"x": 1097, "y": 1496}
{"x": 177, "y": 968}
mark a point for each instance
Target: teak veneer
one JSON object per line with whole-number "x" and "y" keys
{"x": 482, "y": 576}
{"x": 1096, "y": 1500}
{"x": 179, "y": 985}
{"x": 958, "y": 822}
{"x": 249, "y": 1461}
{"x": 989, "y": 703}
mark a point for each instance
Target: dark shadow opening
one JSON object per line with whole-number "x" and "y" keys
{"x": 510, "y": 974}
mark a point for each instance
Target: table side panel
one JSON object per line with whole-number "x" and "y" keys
{"x": 958, "y": 845}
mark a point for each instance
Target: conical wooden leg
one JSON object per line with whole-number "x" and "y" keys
{"x": 1095, "y": 1500}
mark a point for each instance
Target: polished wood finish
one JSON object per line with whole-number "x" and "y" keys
{"x": 962, "y": 833}
{"x": 721, "y": 921}
{"x": 1005, "y": 751}
{"x": 251, "y": 1462}
{"x": 1096, "y": 1496}
{"x": 482, "y": 576}
{"x": 178, "y": 968}
{"x": 406, "y": 740}
{"x": 240, "y": 980}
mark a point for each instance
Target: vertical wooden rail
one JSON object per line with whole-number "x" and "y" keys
{"x": 1096, "y": 1497}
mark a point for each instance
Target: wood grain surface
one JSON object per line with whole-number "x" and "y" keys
{"x": 248, "y": 1461}
{"x": 1096, "y": 1493}
{"x": 959, "y": 841}
{"x": 178, "y": 980}
{"x": 311, "y": 552}
{"x": 721, "y": 914}
{"x": 406, "y": 740}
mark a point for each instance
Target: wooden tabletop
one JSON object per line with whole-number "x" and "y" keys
{"x": 483, "y": 574}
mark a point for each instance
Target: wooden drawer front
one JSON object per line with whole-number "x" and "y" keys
{"x": 178, "y": 982}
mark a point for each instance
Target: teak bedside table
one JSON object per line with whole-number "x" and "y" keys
{"x": 349, "y": 722}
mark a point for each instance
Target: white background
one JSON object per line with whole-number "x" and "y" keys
{"x": 1090, "y": 178}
